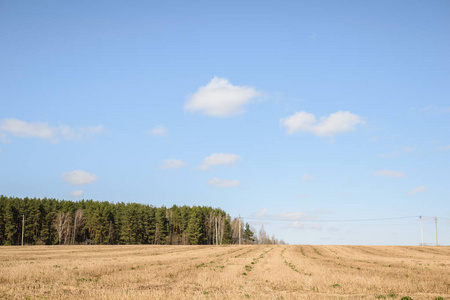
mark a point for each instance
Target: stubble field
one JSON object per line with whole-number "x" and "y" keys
{"x": 224, "y": 272}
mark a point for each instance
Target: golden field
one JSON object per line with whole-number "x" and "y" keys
{"x": 224, "y": 272}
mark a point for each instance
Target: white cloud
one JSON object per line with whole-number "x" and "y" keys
{"x": 223, "y": 183}
{"x": 297, "y": 225}
{"x": 389, "y": 173}
{"x": 338, "y": 122}
{"x": 285, "y": 216}
{"x": 77, "y": 194}
{"x": 42, "y": 130}
{"x": 79, "y": 177}
{"x": 23, "y": 129}
{"x": 4, "y": 138}
{"x": 171, "y": 164}
{"x": 444, "y": 148}
{"x": 219, "y": 98}
{"x": 306, "y": 177}
{"x": 77, "y": 135}
{"x": 159, "y": 130}
{"x": 301, "y": 195}
{"x": 431, "y": 109}
{"x": 401, "y": 151}
{"x": 420, "y": 189}
{"x": 218, "y": 159}
{"x": 260, "y": 214}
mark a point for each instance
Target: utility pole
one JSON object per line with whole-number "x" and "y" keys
{"x": 23, "y": 226}
{"x": 435, "y": 224}
{"x": 239, "y": 230}
{"x": 421, "y": 229}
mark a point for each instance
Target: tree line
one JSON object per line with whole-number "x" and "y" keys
{"x": 51, "y": 222}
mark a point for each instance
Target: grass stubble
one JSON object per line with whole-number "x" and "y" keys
{"x": 224, "y": 272}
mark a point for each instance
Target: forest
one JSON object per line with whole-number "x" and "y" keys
{"x": 52, "y": 222}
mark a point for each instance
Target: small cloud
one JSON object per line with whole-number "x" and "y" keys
{"x": 297, "y": 225}
{"x": 77, "y": 135}
{"x": 431, "y": 109}
{"x": 444, "y": 148}
{"x": 4, "y": 138}
{"x": 171, "y": 164}
{"x": 218, "y": 159}
{"x": 77, "y": 194}
{"x": 301, "y": 196}
{"x": 315, "y": 226}
{"x": 333, "y": 229}
{"x": 79, "y": 177}
{"x": 306, "y": 177}
{"x": 294, "y": 215}
{"x": 42, "y": 130}
{"x": 421, "y": 189}
{"x": 403, "y": 150}
{"x": 223, "y": 183}
{"x": 219, "y": 98}
{"x": 23, "y": 129}
{"x": 338, "y": 122}
{"x": 286, "y": 216}
{"x": 260, "y": 214}
{"x": 389, "y": 173}
{"x": 159, "y": 130}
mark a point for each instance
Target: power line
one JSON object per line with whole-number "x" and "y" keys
{"x": 330, "y": 221}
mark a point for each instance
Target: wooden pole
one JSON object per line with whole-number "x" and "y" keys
{"x": 421, "y": 229}
{"x": 239, "y": 230}
{"x": 23, "y": 227}
{"x": 435, "y": 224}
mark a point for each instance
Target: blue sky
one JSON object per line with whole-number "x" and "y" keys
{"x": 287, "y": 113}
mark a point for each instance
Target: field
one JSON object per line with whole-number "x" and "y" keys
{"x": 224, "y": 272}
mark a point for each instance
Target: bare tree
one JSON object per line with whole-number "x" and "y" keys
{"x": 78, "y": 221}
{"x": 62, "y": 225}
{"x": 263, "y": 238}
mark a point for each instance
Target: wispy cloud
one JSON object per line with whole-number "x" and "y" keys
{"x": 402, "y": 151}
{"x": 421, "y": 189}
{"x": 4, "y": 138}
{"x": 315, "y": 226}
{"x": 431, "y": 109}
{"x": 444, "y": 148}
{"x": 22, "y": 129}
{"x": 159, "y": 130}
{"x": 77, "y": 194}
{"x": 285, "y": 216}
{"x": 219, "y": 98}
{"x": 301, "y": 196}
{"x": 78, "y": 134}
{"x": 171, "y": 164}
{"x": 306, "y": 177}
{"x": 338, "y": 122}
{"x": 79, "y": 177}
{"x": 216, "y": 159}
{"x": 297, "y": 225}
{"x": 223, "y": 183}
{"x": 389, "y": 173}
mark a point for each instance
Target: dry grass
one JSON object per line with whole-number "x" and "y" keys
{"x": 224, "y": 272}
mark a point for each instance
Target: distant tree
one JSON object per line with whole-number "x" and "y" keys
{"x": 194, "y": 229}
{"x": 51, "y": 221}
{"x": 78, "y": 222}
{"x": 248, "y": 234}
{"x": 61, "y": 224}
{"x": 263, "y": 237}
